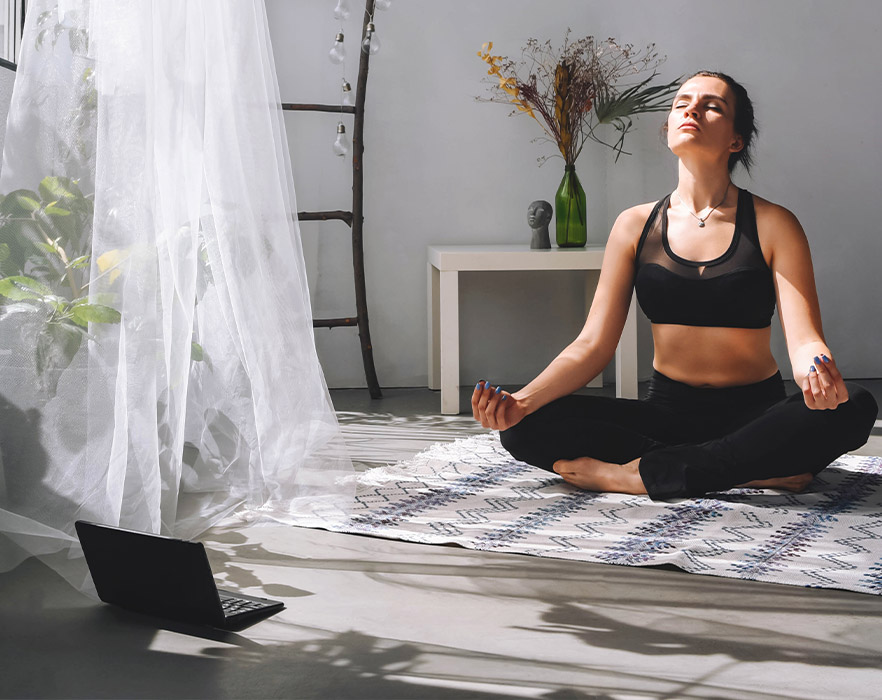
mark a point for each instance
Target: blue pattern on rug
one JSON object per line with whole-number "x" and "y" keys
{"x": 666, "y": 532}
{"x": 473, "y": 493}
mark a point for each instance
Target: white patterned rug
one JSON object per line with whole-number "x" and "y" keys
{"x": 473, "y": 493}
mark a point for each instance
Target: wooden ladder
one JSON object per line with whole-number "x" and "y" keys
{"x": 355, "y": 217}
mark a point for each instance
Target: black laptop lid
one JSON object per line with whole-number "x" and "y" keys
{"x": 151, "y": 574}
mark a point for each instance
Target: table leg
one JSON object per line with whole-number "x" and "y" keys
{"x": 626, "y": 356}
{"x": 448, "y": 312}
{"x": 432, "y": 294}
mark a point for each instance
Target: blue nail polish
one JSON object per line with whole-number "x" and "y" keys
{"x": 498, "y": 389}
{"x": 478, "y": 385}
{"x": 504, "y": 397}
{"x": 817, "y": 360}
{"x": 825, "y": 358}
{"x": 813, "y": 369}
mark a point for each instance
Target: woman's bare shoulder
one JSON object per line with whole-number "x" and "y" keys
{"x": 778, "y": 229}
{"x": 639, "y": 212}
{"x": 635, "y": 217}
{"x": 629, "y": 224}
{"x": 771, "y": 213}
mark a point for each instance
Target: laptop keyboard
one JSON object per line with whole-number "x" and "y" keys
{"x": 234, "y": 606}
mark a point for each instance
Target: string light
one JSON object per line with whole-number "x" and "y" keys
{"x": 341, "y": 144}
{"x": 337, "y": 54}
{"x": 341, "y": 12}
{"x": 370, "y": 46}
{"x": 371, "y": 43}
{"x": 347, "y": 94}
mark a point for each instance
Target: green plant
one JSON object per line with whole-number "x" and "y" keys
{"x": 45, "y": 258}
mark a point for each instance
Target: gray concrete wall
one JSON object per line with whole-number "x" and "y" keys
{"x": 443, "y": 169}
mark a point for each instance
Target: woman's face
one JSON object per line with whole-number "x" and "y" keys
{"x": 702, "y": 116}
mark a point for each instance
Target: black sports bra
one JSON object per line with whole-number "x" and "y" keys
{"x": 734, "y": 290}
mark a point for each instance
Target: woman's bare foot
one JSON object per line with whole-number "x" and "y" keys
{"x": 593, "y": 475}
{"x": 795, "y": 483}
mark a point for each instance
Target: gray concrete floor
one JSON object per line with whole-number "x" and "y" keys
{"x": 374, "y": 618}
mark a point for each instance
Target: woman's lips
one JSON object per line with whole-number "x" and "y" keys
{"x": 689, "y": 126}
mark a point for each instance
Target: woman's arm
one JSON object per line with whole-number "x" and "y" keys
{"x": 592, "y": 350}
{"x": 791, "y": 263}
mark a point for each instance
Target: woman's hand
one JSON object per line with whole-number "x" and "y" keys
{"x": 823, "y": 386}
{"x": 495, "y": 408}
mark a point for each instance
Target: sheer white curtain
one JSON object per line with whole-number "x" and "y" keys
{"x": 157, "y": 361}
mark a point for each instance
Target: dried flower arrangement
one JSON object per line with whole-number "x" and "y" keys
{"x": 571, "y": 91}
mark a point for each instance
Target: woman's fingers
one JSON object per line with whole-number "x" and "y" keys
{"x": 824, "y": 387}
{"x": 482, "y": 397}
{"x": 493, "y": 405}
{"x": 825, "y": 383}
{"x": 807, "y": 393}
{"x": 477, "y": 395}
{"x": 489, "y": 404}
{"x": 830, "y": 369}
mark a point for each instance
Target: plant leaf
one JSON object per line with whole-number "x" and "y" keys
{"x": 197, "y": 354}
{"x": 110, "y": 260}
{"x": 19, "y": 307}
{"x": 53, "y": 210}
{"x": 20, "y": 287}
{"x": 27, "y": 203}
{"x": 55, "y": 188}
{"x": 637, "y": 99}
{"x": 83, "y": 314}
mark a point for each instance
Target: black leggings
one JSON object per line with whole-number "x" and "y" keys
{"x": 693, "y": 440}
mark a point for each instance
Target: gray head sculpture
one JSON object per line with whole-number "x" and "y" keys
{"x": 538, "y": 216}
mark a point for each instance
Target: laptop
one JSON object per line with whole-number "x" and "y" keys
{"x": 165, "y": 577}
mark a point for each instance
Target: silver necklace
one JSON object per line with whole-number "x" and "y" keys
{"x": 702, "y": 219}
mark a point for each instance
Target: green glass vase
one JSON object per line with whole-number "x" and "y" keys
{"x": 569, "y": 210}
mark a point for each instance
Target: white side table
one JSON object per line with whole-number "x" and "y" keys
{"x": 445, "y": 264}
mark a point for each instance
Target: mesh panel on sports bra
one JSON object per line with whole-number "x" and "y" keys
{"x": 734, "y": 290}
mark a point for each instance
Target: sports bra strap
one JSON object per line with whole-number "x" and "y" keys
{"x": 650, "y": 221}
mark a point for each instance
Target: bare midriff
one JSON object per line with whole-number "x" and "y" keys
{"x": 713, "y": 357}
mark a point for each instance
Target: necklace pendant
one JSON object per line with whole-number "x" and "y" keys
{"x": 700, "y": 224}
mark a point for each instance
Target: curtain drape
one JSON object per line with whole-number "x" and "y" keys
{"x": 157, "y": 360}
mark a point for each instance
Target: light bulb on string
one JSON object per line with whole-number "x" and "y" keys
{"x": 347, "y": 94}
{"x": 337, "y": 54}
{"x": 382, "y": 4}
{"x": 341, "y": 144}
{"x": 371, "y": 43}
{"x": 342, "y": 10}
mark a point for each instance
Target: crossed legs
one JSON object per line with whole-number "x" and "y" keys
{"x": 629, "y": 446}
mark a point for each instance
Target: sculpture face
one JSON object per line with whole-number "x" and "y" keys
{"x": 539, "y": 213}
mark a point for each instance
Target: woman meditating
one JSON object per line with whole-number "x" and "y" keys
{"x": 708, "y": 263}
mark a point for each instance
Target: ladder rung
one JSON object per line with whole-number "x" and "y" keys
{"x": 297, "y": 107}
{"x": 325, "y": 216}
{"x": 333, "y": 322}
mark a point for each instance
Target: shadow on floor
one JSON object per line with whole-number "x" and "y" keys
{"x": 700, "y": 636}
